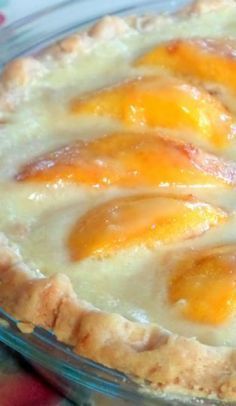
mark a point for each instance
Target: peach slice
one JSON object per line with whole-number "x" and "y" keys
{"x": 130, "y": 160}
{"x": 211, "y": 60}
{"x": 148, "y": 220}
{"x": 205, "y": 285}
{"x": 161, "y": 102}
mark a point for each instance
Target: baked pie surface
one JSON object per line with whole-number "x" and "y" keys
{"x": 117, "y": 182}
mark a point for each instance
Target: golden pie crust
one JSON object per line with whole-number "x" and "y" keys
{"x": 170, "y": 363}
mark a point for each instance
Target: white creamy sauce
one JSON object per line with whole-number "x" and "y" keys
{"x": 38, "y": 217}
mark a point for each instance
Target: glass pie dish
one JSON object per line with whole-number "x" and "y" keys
{"x": 81, "y": 380}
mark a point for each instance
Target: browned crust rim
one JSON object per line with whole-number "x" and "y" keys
{"x": 167, "y": 361}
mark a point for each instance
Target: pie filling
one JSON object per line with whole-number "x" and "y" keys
{"x": 119, "y": 170}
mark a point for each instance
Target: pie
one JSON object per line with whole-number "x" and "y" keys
{"x": 117, "y": 184}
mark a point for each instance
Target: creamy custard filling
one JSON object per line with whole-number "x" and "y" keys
{"x": 132, "y": 282}
{"x": 39, "y": 217}
{"x": 121, "y": 282}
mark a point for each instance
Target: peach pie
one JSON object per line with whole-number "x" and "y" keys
{"x": 118, "y": 196}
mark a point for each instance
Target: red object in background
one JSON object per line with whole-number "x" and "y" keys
{"x": 2, "y": 18}
{"x": 23, "y": 389}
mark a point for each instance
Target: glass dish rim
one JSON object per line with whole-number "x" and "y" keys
{"x": 39, "y": 345}
{"x": 43, "y": 349}
{"x": 13, "y": 34}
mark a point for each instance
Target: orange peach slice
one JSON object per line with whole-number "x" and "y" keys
{"x": 211, "y": 60}
{"x": 130, "y": 160}
{"x": 158, "y": 102}
{"x": 148, "y": 220}
{"x": 205, "y": 286}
